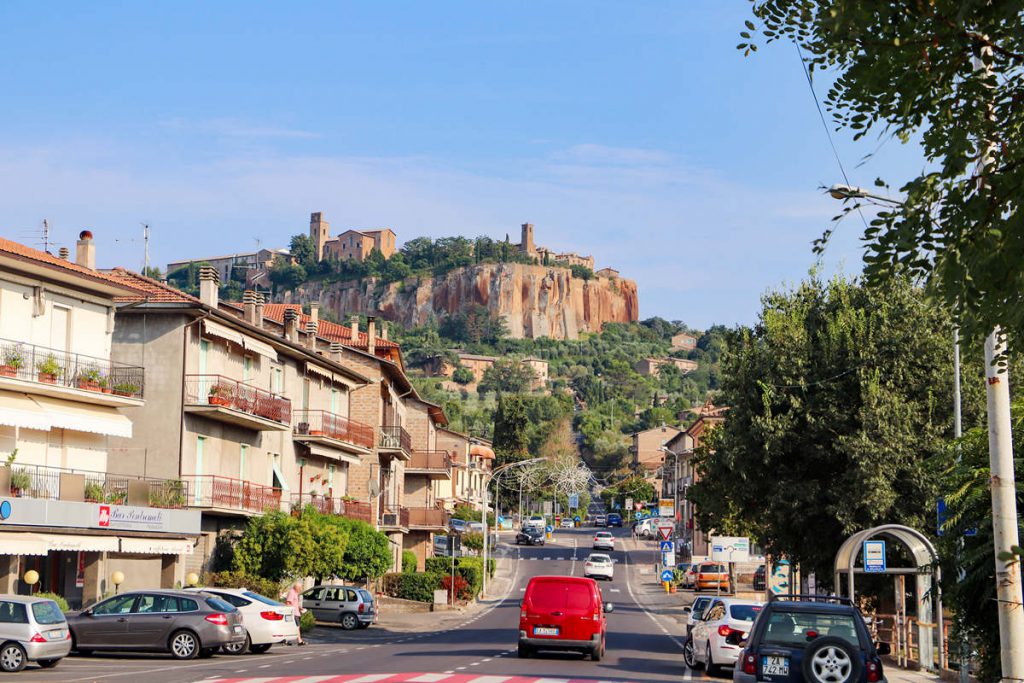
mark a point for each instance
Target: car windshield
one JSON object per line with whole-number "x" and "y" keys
{"x": 800, "y": 628}
{"x": 47, "y": 612}
{"x": 744, "y": 612}
{"x": 262, "y": 598}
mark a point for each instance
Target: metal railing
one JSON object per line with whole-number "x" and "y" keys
{"x": 217, "y": 390}
{"x": 394, "y": 516}
{"x": 325, "y": 505}
{"x": 210, "y": 490}
{"x": 324, "y": 423}
{"x": 62, "y": 368}
{"x": 393, "y": 438}
{"x": 39, "y": 481}
{"x": 433, "y": 517}
{"x": 429, "y": 460}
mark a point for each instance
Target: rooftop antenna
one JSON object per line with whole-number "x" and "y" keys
{"x": 145, "y": 257}
{"x": 46, "y": 236}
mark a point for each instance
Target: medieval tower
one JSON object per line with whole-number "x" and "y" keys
{"x": 319, "y": 232}
{"x": 526, "y": 244}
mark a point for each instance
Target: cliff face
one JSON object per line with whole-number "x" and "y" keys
{"x": 536, "y": 301}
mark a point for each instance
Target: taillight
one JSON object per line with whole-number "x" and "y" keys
{"x": 218, "y": 618}
{"x": 522, "y": 615}
{"x": 724, "y": 630}
{"x": 749, "y": 665}
{"x": 68, "y": 637}
{"x": 362, "y": 607}
{"x": 272, "y": 616}
{"x": 874, "y": 672}
{"x": 36, "y": 638}
{"x": 597, "y": 616}
{"x": 812, "y": 634}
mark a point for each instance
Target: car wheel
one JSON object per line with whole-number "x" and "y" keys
{"x": 184, "y": 645}
{"x": 48, "y": 663}
{"x": 259, "y": 649}
{"x": 12, "y": 658}
{"x": 238, "y": 648}
{"x": 349, "y": 621}
{"x": 524, "y": 651}
{"x": 830, "y": 660}
{"x": 688, "y": 657}
{"x": 709, "y": 662}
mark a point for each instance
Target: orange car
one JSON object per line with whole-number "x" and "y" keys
{"x": 713, "y": 576}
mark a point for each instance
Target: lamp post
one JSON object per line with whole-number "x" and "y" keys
{"x": 487, "y": 482}
{"x": 117, "y": 578}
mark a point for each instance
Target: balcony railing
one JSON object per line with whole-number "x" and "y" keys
{"x": 61, "y": 368}
{"x": 429, "y": 460}
{"x": 211, "y": 491}
{"x": 60, "y": 483}
{"x": 431, "y": 517}
{"x": 327, "y": 424}
{"x": 216, "y": 390}
{"x": 353, "y": 509}
{"x": 393, "y": 438}
{"x": 394, "y": 516}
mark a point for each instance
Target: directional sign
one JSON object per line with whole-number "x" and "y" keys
{"x": 666, "y": 532}
{"x": 667, "y": 547}
{"x": 574, "y": 500}
{"x": 668, "y": 559}
{"x": 874, "y": 556}
{"x": 667, "y": 575}
{"x": 550, "y": 528}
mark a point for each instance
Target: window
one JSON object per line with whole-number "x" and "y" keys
{"x": 330, "y": 476}
{"x": 121, "y": 604}
{"x": 246, "y": 368}
{"x": 200, "y": 445}
{"x": 796, "y": 628}
{"x": 277, "y": 479}
{"x": 350, "y": 595}
{"x": 13, "y": 613}
{"x": 716, "y": 612}
{"x": 47, "y": 612}
{"x": 220, "y": 605}
{"x": 313, "y": 594}
{"x": 744, "y": 612}
{"x": 331, "y": 594}
{"x": 262, "y": 598}
{"x": 242, "y": 448}
{"x": 278, "y": 386}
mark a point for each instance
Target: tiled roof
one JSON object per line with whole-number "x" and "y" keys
{"x": 21, "y": 251}
{"x": 149, "y": 289}
{"x": 326, "y": 329}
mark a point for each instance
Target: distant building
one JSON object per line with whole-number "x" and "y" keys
{"x": 649, "y": 366}
{"x": 351, "y": 244}
{"x": 609, "y": 273}
{"x": 683, "y": 342}
{"x": 648, "y": 455}
{"x": 244, "y": 264}
{"x": 478, "y": 365}
{"x": 547, "y": 256}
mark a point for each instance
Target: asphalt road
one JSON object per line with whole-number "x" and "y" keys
{"x": 640, "y": 646}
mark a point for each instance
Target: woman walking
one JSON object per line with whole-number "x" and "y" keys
{"x": 294, "y": 600}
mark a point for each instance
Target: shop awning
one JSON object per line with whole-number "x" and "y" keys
{"x": 315, "y": 369}
{"x": 22, "y": 544}
{"x": 18, "y": 410}
{"x": 259, "y": 347}
{"x": 84, "y": 417}
{"x": 221, "y": 332}
{"x": 157, "y": 546}
{"x": 91, "y": 543}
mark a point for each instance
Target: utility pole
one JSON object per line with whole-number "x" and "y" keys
{"x": 145, "y": 249}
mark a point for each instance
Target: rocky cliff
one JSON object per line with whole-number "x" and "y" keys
{"x": 536, "y": 301}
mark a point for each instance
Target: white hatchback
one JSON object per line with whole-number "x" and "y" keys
{"x": 599, "y": 565}
{"x": 603, "y": 540}
{"x": 716, "y": 634}
{"x": 266, "y": 621}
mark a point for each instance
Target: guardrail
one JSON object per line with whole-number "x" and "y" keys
{"x": 217, "y": 390}
{"x": 429, "y": 460}
{"x": 75, "y": 370}
{"x": 212, "y": 491}
{"x": 394, "y": 438}
{"x": 325, "y": 423}
{"x": 61, "y": 483}
{"x": 432, "y": 517}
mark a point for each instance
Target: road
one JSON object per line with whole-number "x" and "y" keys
{"x": 640, "y": 645}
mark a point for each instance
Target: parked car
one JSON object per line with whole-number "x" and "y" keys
{"x": 530, "y": 536}
{"x": 563, "y": 613}
{"x": 810, "y": 639}
{"x": 566, "y": 523}
{"x": 695, "y": 611}
{"x": 759, "y": 578}
{"x": 715, "y": 638}
{"x": 600, "y": 520}
{"x": 266, "y": 621}
{"x": 690, "y": 580}
{"x": 615, "y": 519}
{"x": 182, "y": 623}
{"x": 459, "y": 526}
{"x": 599, "y": 565}
{"x": 712, "y": 575}
{"x": 603, "y": 540}
{"x": 31, "y": 630}
{"x": 347, "y": 605}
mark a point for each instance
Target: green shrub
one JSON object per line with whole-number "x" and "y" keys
{"x": 61, "y": 602}
{"x": 409, "y": 561}
{"x": 391, "y": 583}
{"x": 307, "y": 621}
{"x": 419, "y": 586}
{"x": 441, "y": 565}
{"x": 473, "y": 541}
{"x": 236, "y": 579}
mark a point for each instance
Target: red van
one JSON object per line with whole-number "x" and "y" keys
{"x": 562, "y": 613}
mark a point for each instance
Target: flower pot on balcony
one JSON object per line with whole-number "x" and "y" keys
{"x": 47, "y": 377}
{"x": 316, "y": 432}
{"x": 106, "y": 390}
{"x": 88, "y": 384}
{"x": 302, "y": 428}
{"x": 220, "y": 401}
{"x": 8, "y": 370}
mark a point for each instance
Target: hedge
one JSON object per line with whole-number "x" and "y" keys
{"x": 257, "y": 584}
{"x": 408, "y": 561}
{"x": 469, "y": 568}
{"x": 418, "y": 586}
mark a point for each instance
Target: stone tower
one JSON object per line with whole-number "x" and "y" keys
{"x": 526, "y": 243}
{"x": 319, "y": 232}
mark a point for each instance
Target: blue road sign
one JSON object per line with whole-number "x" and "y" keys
{"x": 500, "y": 519}
{"x": 667, "y": 575}
{"x": 942, "y": 516}
{"x": 667, "y": 547}
{"x": 550, "y": 528}
{"x": 574, "y": 500}
{"x": 874, "y": 557}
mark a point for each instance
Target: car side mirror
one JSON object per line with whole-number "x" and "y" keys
{"x": 883, "y": 649}
{"x": 608, "y": 607}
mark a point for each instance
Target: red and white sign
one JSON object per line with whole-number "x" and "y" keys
{"x": 104, "y": 515}
{"x": 639, "y": 507}
{"x": 666, "y": 532}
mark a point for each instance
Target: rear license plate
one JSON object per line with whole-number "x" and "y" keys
{"x": 237, "y": 629}
{"x": 775, "y": 666}
{"x": 545, "y": 631}
{"x": 56, "y": 634}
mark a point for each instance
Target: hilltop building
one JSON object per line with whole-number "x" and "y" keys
{"x": 548, "y": 256}
{"x": 351, "y": 244}
{"x": 683, "y": 342}
{"x": 245, "y": 264}
{"x": 650, "y": 367}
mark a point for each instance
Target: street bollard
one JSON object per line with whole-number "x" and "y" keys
{"x": 666, "y": 586}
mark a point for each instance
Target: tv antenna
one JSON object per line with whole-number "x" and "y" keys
{"x": 145, "y": 246}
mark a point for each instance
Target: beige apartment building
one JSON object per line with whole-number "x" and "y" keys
{"x": 478, "y": 364}
{"x": 74, "y": 512}
{"x": 683, "y": 342}
{"x": 648, "y": 455}
{"x": 649, "y": 366}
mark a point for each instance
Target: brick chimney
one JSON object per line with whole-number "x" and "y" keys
{"x": 335, "y": 353}
{"x": 384, "y": 329}
{"x": 63, "y": 253}
{"x": 209, "y": 285}
{"x": 354, "y": 327}
{"x": 371, "y": 334}
{"x": 249, "y": 306}
{"x": 291, "y": 325}
{"x": 258, "y": 300}
{"x": 85, "y": 250}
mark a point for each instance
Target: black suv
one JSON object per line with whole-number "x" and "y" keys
{"x": 810, "y": 639}
{"x": 530, "y": 536}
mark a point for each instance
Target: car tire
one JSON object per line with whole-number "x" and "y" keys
{"x": 12, "y": 658}
{"x": 259, "y": 649}
{"x": 688, "y": 657}
{"x": 596, "y": 653}
{"x": 349, "y": 621}
{"x": 48, "y": 663}
{"x": 828, "y": 656}
{"x": 524, "y": 651}
{"x": 183, "y": 644}
{"x": 238, "y": 648}
{"x": 709, "y": 662}
{"x": 364, "y": 624}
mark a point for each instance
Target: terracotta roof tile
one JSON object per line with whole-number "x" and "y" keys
{"x": 21, "y": 251}
{"x": 326, "y": 329}
{"x": 149, "y": 289}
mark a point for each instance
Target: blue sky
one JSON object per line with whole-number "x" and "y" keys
{"x": 632, "y": 131}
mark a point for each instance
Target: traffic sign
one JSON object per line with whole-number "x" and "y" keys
{"x": 500, "y": 519}
{"x": 629, "y": 503}
{"x": 667, "y": 547}
{"x": 668, "y": 559}
{"x": 874, "y": 557}
{"x": 667, "y": 575}
{"x": 574, "y": 500}
{"x": 666, "y": 508}
{"x": 550, "y": 528}
{"x": 730, "y": 548}
{"x": 666, "y": 532}
{"x": 639, "y": 506}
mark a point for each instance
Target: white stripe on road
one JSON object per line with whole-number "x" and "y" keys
{"x": 428, "y": 678}
{"x": 312, "y": 679}
{"x": 370, "y": 678}
{"x": 489, "y": 679}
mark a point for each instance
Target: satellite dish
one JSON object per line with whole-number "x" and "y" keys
{"x": 374, "y": 489}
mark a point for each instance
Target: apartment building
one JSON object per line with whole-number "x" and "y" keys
{"x": 650, "y": 367}
{"x": 74, "y": 512}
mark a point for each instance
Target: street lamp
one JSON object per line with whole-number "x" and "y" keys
{"x": 117, "y": 578}
{"x": 487, "y": 482}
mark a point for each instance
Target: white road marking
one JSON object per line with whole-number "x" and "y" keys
{"x": 490, "y": 679}
{"x": 474, "y": 664}
{"x": 427, "y": 678}
{"x": 370, "y": 678}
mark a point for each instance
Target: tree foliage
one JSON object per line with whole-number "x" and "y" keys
{"x": 507, "y": 375}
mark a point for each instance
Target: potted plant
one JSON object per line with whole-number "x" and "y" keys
{"x": 94, "y": 492}
{"x": 104, "y": 383}
{"x": 13, "y": 360}
{"x": 302, "y": 428}
{"x": 89, "y": 379}
{"x": 220, "y": 395}
{"x": 126, "y": 389}
{"x": 49, "y": 369}
{"x": 21, "y": 481}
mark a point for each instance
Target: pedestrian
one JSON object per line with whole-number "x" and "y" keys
{"x": 294, "y": 600}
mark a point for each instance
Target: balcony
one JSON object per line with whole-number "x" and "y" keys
{"x": 432, "y": 464}
{"x": 394, "y": 518}
{"x": 85, "y": 486}
{"x": 333, "y": 431}
{"x": 342, "y": 507}
{"x": 231, "y": 495}
{"x": 50, "y": 372}
{"x": 395, "y": 441}
{"x": 228, "y": 400}
{"x": 428, "y": 519}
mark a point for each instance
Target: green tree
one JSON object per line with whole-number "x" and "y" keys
{"x": 462, "y": 375}
{"x": 367, "y": 553}
{"x": 507, "y": 375}
{"x": 316, "y": 548}
{"x": 511, "y": 429}
{"x": 303, "y": 251}
{"x": 265, "y": 548}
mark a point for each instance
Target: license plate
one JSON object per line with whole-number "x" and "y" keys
{"x": 237, "y": 629}
{"x": 56, "y": 634}
{"x": 775, "y": 666}
{"x": 545, "y": 631}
